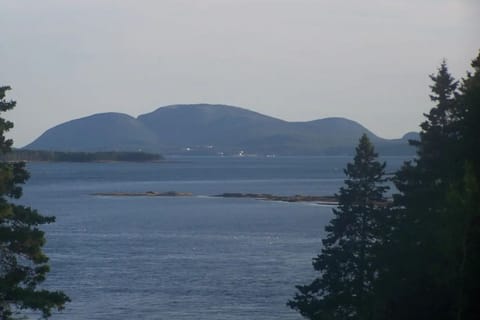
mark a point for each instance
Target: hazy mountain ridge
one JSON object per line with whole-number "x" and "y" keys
{"x": 211, "y": 129}
{"x": 99, "y": 132}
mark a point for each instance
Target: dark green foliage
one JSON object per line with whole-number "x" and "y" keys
{"x": 422, "y": 238}
{"x": 465, "y": 202}
{"x": 425, "y": 260}
{"x": 57, "y": 156}
{"x": 347, "y": 263}
{"x": 23, "y": 265}
{"x": 434, "y": 247}
{"x": 468, "y": 197}
{"x": 469, "y": 99}
{"x": 5, "y": 125}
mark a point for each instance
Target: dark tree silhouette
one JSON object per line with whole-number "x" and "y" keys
{"x": 23, "y": 264}
{"x": 424, "y": 258}
{"x": 435, "y": 243}
{"x": 344, "y": 289}
{"x": 469, "y": 195}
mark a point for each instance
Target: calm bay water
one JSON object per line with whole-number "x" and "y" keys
{"x": 183, "y": 257}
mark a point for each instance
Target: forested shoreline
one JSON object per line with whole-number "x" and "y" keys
{"x": 60, "y": 156}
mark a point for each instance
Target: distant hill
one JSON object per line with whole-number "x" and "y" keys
{"x": 411, "y": 136}
{"x": 211, "y": 129}
{"x": 99, "y": 132}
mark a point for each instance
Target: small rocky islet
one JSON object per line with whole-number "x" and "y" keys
{"x": 259, "y": 196}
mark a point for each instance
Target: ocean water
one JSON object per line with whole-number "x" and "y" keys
{"x": 198, "y": 257}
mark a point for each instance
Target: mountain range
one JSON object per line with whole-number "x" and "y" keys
{"x": 204, "y": 129}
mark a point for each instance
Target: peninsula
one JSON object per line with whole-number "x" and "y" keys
{"x": 60, "y": 156}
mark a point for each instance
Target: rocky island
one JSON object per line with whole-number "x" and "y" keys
{"x": 144, "y": 194}
{"x": 295, "y": 198}
{"x": 330, "y": 200}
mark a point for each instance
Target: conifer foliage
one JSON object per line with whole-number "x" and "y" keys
{"x": 425, "y": 237}
{"x": 344, "y": 289}
{"x": 419, "y": 257}
{"x": 437, "y": 229}
{"x": 469, "y": 275}
{"x": 23, "y": 264}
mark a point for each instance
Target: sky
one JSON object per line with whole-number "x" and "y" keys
{"x": 296, "y": 60}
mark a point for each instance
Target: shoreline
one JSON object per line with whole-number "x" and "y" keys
{"x": 325, "y": 200}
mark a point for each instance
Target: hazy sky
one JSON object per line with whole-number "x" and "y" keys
{"x": 293, "y": 59}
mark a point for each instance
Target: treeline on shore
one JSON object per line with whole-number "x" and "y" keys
{"x": 60, "y": 156}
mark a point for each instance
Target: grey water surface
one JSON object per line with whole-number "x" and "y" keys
{"x": 196, "y": 257}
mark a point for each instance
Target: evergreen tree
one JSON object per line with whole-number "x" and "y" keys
{"x": 468, "y": 197}
{"x": 424, "y": 260}
{"x": 434, "y": 239}
{"x": 347, "y": 263}
{"x": 469, "y": 99}
{"x": 23, "y": 264}
{"x": 422, "y": 269}
{"x": 437, "y": 150}
{"x": 464, "y": 201}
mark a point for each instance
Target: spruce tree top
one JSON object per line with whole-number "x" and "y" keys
{"x": 343, "y": 289}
